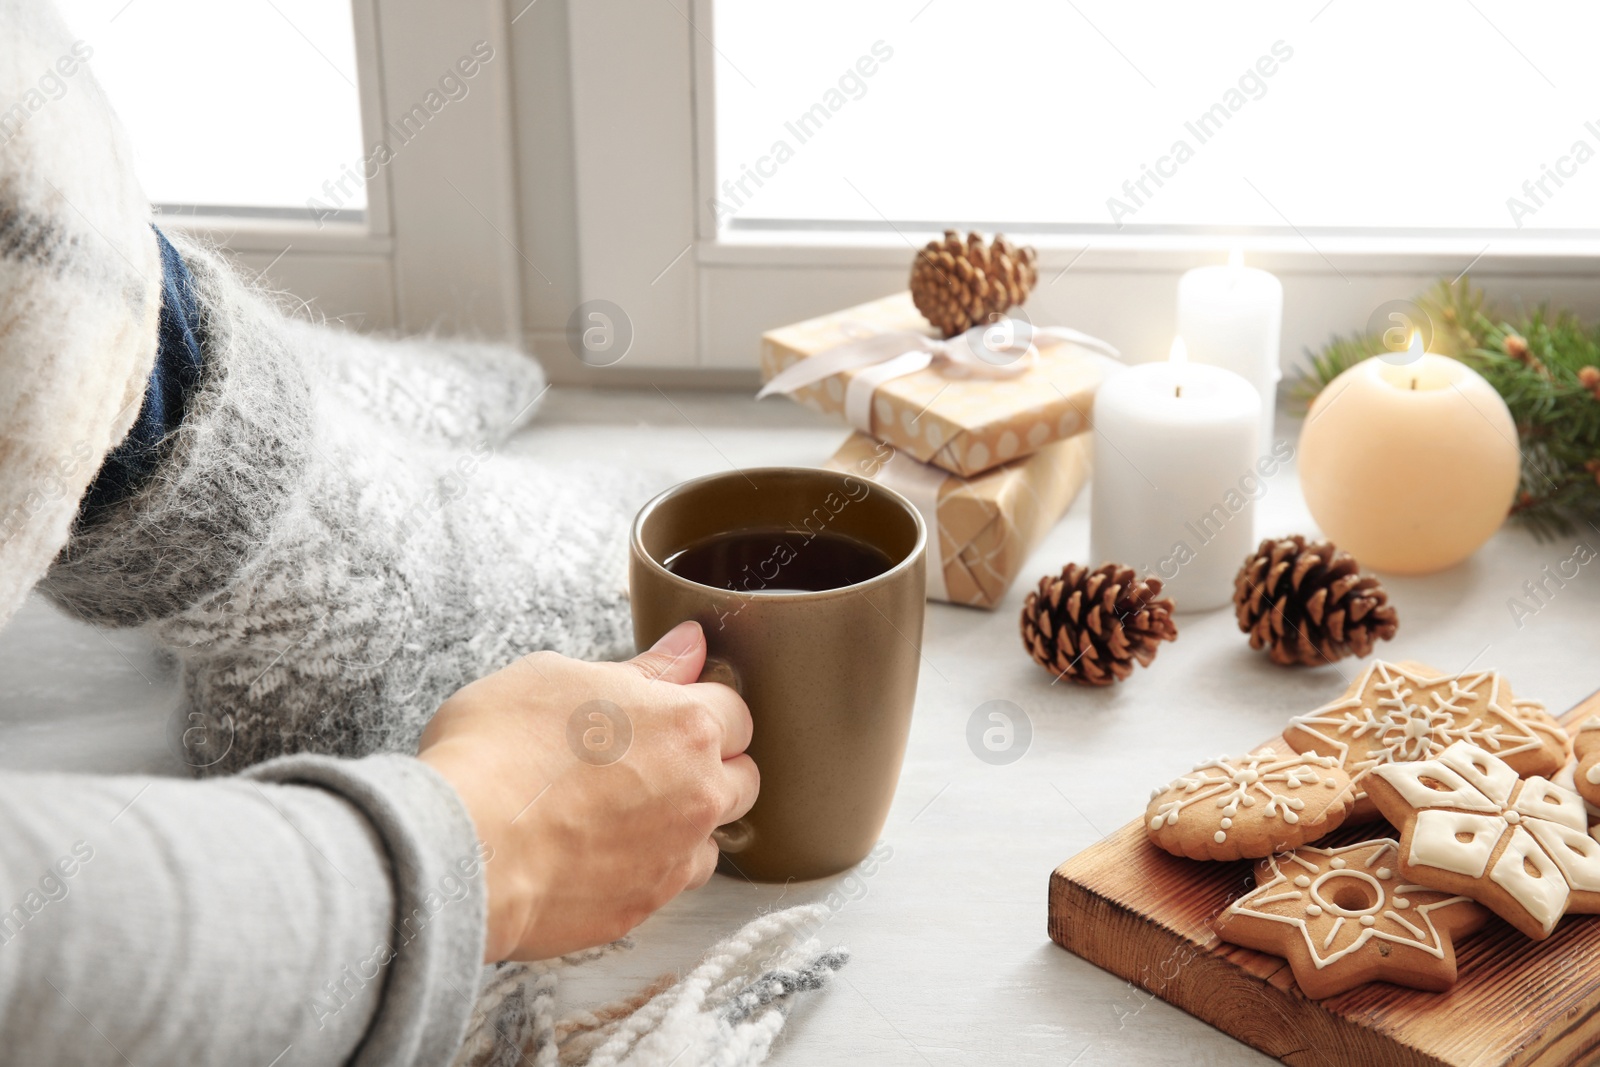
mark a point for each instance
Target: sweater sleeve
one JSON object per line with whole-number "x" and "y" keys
{"x": 310, "y": 911}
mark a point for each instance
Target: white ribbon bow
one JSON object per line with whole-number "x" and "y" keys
{"x": 1001, "y": 349}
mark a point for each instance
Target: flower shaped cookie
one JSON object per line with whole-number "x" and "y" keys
{"x": 1342, "y": 918}
{"x": 1228, "y": 809}
{"x": 1394, "y": 714}
{"x": 1471, "y": 826}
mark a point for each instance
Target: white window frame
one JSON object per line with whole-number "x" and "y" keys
{"x": 437, "y": 248}
{"x": 643, "y": 77}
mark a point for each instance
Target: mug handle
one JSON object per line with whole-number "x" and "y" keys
{"x": 735, "y": 836}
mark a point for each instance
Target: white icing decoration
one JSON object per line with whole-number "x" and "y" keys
{"x": 1592, "y": 775}
{"x": 1543, "y": 799}
{"x": 1391, "y": 916}
{"x": 1321, "y": 893}
{"x": 1377, "y": 854}
{"x": 1542, "y": 825}
{"x": 1385, "y": 873}
{"x": 1278, "y": 897}
{"x": 1302, "y": 881}
{"x": 1235, "y": 784}
{"x": 1457, "y": 792}
{"x": 1397, "y": 716}
{"x": 1490, "y": 776}
{"x": 1380, "y": 921}
{"x": 1543, "y": 897}
{"x": 1575, "y": 852}
{"x": 1434, "y": 842}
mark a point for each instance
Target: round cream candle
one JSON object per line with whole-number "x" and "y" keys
{"x": 1174, "y": 454}
{"x": 1232, "y": 317}
{"x": 1409, "y": 466}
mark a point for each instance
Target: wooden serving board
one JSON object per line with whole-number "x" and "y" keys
{"x": 1145, "y": 915}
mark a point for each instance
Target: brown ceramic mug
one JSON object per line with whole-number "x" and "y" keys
{"x": 830, "y": 674}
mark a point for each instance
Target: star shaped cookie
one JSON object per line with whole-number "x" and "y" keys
{"x": 1250, "y": 806}
{"x": 1471, "y": 826}
{"x": 1397, "y": 713}
{"x": 1345, "y": 916}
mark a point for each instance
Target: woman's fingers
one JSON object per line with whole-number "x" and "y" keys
{"x": 704, "y": 866}
{"x": 741, "y": 783}
{"x": 729, "y": 710}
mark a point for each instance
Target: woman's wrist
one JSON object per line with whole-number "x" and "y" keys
{"x": 508, "y": 894}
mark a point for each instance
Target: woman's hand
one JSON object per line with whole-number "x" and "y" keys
{"x": 596, "y": 787}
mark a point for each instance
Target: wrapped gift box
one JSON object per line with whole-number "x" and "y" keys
{"x": 965, "y": 424}
{"x": 983, "y": 527}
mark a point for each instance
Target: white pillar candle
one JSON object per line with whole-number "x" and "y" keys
{"x": 1232, "y": 317}
{"x": 1176, "y": 476}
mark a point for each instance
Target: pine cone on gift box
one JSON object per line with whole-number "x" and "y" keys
{"x": 959, "y": 283}
{"x": 1092, "y": 625}
{"x": 1308, "y": 603}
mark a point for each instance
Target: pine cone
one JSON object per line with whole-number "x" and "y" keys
{"x": 958, "y": 284}
{"x": 1090, "y": 625}
{"x": 1308, "y": 604}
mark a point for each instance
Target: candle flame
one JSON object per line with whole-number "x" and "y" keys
{"x": 1415, "y": 347}
{"x": 1236, "y": 258}
{"x": 1179, "y": 354}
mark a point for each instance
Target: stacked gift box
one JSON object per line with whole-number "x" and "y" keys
{"x": 992, "y": 450}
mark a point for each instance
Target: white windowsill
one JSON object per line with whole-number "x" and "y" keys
{"x": 243, "y": 234}
{"x": 1313, "y": 254}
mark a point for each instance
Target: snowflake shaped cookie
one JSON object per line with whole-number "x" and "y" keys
{"x": 1343, "y": 917}
{"x": 1228, "y": 809}
{"x": 1471, "y": 826}
{"x": 1396, "y": 714}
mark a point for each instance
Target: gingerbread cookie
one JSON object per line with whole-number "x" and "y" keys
{"x": 1396, "y": 713}
{"x": 1342, "y": 917}
{"x": 1229, "y": 809}
{"x": 1586, "y": 746}
{"x": 1471, "y": 826}
{"x": 1557, "y": 742}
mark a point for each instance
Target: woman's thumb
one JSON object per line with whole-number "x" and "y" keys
{"x": 678, "y": 657}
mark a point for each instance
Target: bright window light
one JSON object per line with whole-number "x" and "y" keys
{"x": 1322, "y": 116}
{"x": 243, "y": 106}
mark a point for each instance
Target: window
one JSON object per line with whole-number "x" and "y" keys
{"x": 249, "y": 107}
{"x": 354, "y": 153}
{"x": 1093, "y": 116}
{"x": 743, "y": 165}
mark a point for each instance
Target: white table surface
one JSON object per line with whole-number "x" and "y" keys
{"x": 951, "y": 960}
